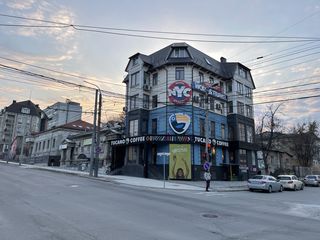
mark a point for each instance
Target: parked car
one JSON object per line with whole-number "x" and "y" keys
{"x": 313, "y": 180}
{"x": 264, "y": 183}
{"x": 290, "y": 182}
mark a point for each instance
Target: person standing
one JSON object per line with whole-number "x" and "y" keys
{"x": 207, "y": 177}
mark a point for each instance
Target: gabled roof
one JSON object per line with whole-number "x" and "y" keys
{"x": 16, "y": 107}
{"x": 78, "y": 125}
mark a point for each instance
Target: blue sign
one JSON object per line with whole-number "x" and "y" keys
{"x": 206, "y": 166}
{"x": 179, "y": 122}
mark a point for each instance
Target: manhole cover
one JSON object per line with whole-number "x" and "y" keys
{"x": 209, "y": 215}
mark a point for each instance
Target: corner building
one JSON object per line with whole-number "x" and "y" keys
{"x": 179, "y": 98}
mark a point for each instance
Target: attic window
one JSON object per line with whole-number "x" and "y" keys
{"x": 179, "y": 53}
{"x": 208, "y": 61}
{"x": 25, "y": 110}
{"x": 134, "y": 61}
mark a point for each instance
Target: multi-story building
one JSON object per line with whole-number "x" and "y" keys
{"x": 179, "y": 99}
{"x": 18, "y": 120}
{"x": 62, "y": 113}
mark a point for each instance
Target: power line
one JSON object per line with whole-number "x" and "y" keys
{"x": 60, "y": 72}
{"x": 103, "y": 30}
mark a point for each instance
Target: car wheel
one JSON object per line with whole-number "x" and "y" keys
{"x": 269, "y": 189}
{"x": 250, "y": 189}
{"x": 281, "y": 188}
{"x": 302, "y": 186}
{"x": 294, "y": 188}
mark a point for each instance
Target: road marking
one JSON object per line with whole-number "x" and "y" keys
{"x": 210, "y": 193}
{"x": 74, "y": 186}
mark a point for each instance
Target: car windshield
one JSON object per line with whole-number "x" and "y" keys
{"x": 311, "y": 177}
{"x": 284, "y": 178}
{"x": 257, "y": 177}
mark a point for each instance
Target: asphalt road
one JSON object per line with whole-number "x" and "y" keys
{"x": 41, "y": 205}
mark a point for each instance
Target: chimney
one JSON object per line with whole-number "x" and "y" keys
{"x": 223, "y": 60}
{"x": 14, "y": 101}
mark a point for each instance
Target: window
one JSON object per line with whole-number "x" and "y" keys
{"x": 179, "y": 73}
{"x": 242, "y": 132}
{"x": 239, "y": 88}
{"x": 221, "y": 87}
{"x": 179, "y": 53}
{"x": 202, "y": 100}
{"x": 146, "y": 78}
{"x": 211, "y": 80}
{"x": 249, "y": 111}
{"x": 133, "y": 128}
{"x": 134, "y": 102}
{"x": 201, "y": 77}
{"x": 202, "y": 124}
{"x": 211, "y": 103}
{"x": 132, "y": 153}
{"x": 144, "y": 127}
{"x": 54, "y": 143}
{"x": 248, "y": 92}
{"x": 146, "y": 101}
{"x": 222, "y": 108}
{"x": 242, "y": 72}
{"x": 36, "y": 149}
{"x": 48, "y": 144}
{"x": 231, "y": 133}
{"x": 39, "y": 146}
{"x": 212, "y": 129}
{"x": 43, "y": 145}
{"x": 154, "y": 101}
{"x": 223, "y": 131}
{"x": 134, "y": 61}
{"x": 135, "y": 79}
{"x": 243, "y": 156}
{"x": 250, "y": 134}
{"x": 25, "y": 110}
{"x": 230, "y": 107}
{"x": 240, "y": 108}
{"x": 155, "y": 79}
{"x": 154, "y": 126}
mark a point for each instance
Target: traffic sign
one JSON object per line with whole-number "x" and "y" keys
{"x": 206, "y": 166}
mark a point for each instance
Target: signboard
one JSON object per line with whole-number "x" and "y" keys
{"x": 179, "y": 122}
{"x": 168, "y": 139}
{"x": 206, "y": 166}
{"x": 180, "y": 161}
{"x": 179, "y": 92}
{"x": 210, "y": 91}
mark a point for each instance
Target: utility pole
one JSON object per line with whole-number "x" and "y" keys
{"x": 98, "y": 149}
{"x": 93, "y": 144}
{"x": 207, "y": 126}
{"x": 21, "y": 151}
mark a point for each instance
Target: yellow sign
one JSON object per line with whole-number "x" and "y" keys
{"x": 180, "y": 161}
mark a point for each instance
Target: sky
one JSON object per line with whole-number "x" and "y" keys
{"x": 288, "y": 70}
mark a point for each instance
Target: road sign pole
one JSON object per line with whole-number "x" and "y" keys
{"x": 164, "y": 171}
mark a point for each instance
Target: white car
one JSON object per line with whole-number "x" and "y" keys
{"x": 264, "y": 183}
{"x": 290, "y": 182}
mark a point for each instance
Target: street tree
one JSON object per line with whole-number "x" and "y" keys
{"x": 304, "y": 142}
{"x": 268, "y": 127}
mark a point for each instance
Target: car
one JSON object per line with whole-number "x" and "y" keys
{"x": 290, "y": 182}
{"x": 265, "y": 183}
{"x": 313, "y": 180}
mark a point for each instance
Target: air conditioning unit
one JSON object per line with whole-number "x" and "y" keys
{"x": 146, "y": 87}
{"x": 218, "y": 106}
{"x": 196, "y": 99}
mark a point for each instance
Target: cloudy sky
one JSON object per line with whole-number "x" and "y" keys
{"x": 288, "y": 70}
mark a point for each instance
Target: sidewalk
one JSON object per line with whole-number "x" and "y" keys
{"x": 219, "y": 186}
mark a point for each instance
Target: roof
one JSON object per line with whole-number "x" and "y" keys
{"x": 78, "y": 125}
{"x": 161, "y": 57}
{"x": 16, "y": 107}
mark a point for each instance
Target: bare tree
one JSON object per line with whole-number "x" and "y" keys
{"x": 304, "y": 142}
{"x": 266, "y": 130}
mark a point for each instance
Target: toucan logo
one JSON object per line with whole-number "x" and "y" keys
{"x": 179, "y": 122}
{"x": 179, "y": 92}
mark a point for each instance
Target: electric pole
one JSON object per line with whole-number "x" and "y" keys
{"x": 93, "y": 144}
{"x": 98, "y": 149}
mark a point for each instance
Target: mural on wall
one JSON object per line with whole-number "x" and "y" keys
{"x": 179, "y": 122}
{"x": 179, "y": 92}
{"x": 180, "y": 161}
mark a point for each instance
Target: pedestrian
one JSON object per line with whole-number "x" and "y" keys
{"x": 207, "y": 177}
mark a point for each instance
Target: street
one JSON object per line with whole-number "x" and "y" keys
{"x": 38, "y": 205}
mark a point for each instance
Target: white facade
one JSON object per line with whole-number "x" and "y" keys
{"x": 62, "y": 113}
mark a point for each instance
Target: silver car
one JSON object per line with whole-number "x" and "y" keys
{"x": 290, "y": 182}
{"x": 313, "y": 180}
{"x": 265, "y": 183}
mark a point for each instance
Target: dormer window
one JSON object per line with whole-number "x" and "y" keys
{"x": 134, "y": 61}
{"x": 25, "y": 110}
{"x": 242, "y": 72}
{"x": 179, "y": 53}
